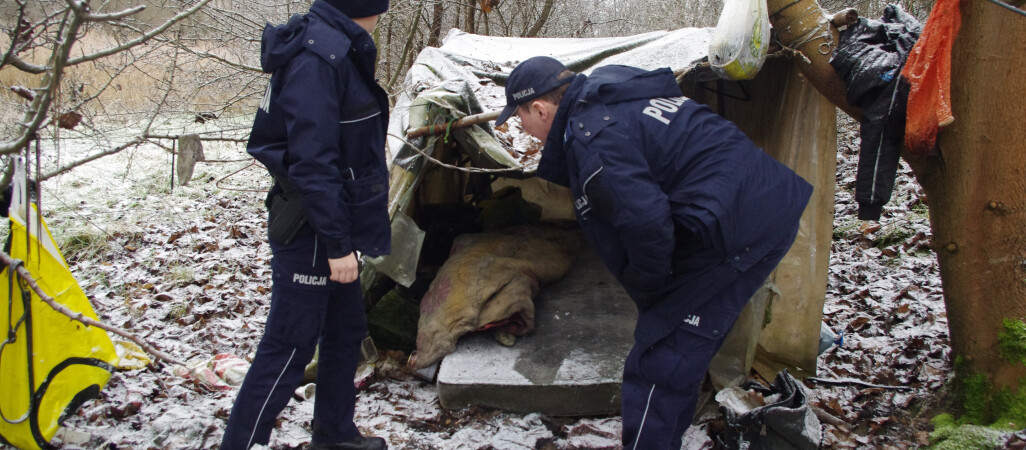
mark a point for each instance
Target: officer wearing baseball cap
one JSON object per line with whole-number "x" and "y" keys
{"x": 687, "y": 213}
{"x": 320, "y": 132}
{"x": 531, "y": 79}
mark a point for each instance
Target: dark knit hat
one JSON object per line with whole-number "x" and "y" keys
{"x": 356, "y": 9}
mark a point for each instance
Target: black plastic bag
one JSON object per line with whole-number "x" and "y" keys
{"x": 786, "y": 423}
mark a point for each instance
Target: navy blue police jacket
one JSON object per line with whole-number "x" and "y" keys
{"x": 322, "y": 125}
{"x": 678, "y": 202}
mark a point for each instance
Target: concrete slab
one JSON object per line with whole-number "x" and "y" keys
{"x": 571, "y": 365}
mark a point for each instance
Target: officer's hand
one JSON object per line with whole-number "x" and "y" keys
{"x": 344, "y": 269}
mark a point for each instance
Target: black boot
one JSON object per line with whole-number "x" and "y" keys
{"x": 357, "y": 443}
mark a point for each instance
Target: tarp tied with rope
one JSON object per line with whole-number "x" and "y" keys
{"x": 466, "y": 76}
{"x": 49, "y": 363}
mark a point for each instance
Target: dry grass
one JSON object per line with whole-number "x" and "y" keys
{"x": 135, "y": 82}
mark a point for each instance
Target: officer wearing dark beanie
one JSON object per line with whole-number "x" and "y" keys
{"x": 320, "y": 132}
{"x": 356, "y": 9}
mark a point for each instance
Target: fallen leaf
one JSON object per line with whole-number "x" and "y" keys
{"x": 833, "y": 406}
{"x": 868, "y": 228}
{"x": 858, "y": 322}
{"x": 876, "y": 423}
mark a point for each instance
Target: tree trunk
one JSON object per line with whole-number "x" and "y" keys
{"x": 471, "y": 10}
{"x": 976, "y": 190}
{"x": 436, "y": 24}
{"x": 400, "y": 69}
{"x": 544, "y": 17}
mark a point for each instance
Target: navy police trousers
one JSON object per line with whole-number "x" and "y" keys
{"x": 661, "y": 382}
{"x": 307, "y": 309}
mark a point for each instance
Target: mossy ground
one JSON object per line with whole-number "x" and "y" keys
{"x": 987, "y": 411}
{"x": 948, "y": 433}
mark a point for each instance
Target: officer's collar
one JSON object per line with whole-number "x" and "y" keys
{"x": 552, "y": 165}
{"x": 557, "y": 132}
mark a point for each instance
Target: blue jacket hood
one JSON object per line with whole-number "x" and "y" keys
{"x": 281, "y": 43}
{"x": 608, "y": 85}
{"x": 614, "y": 84}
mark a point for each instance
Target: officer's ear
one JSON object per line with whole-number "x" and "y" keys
{"x": 544, "y": 109}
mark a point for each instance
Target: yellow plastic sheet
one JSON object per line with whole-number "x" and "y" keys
{"x": 131, "y": 356}
{"x": 49, "y": 364}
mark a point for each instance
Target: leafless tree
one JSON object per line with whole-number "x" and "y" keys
{"x": 71, "y": 71}
{"x": 121, "y": 73}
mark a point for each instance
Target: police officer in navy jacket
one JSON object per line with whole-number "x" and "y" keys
{"x": 682, "y": 208}
{"x": 320, "y": 131}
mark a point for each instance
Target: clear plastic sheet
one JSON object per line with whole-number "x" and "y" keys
{"x": 730, "y": 366}
{"x": 407, "y": 240}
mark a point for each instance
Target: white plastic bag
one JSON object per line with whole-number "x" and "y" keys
{"x": 739, "y": 43}
{"x": 219, "y": 372}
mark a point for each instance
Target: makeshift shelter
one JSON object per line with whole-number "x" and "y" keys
{"x": 779, "y": 110}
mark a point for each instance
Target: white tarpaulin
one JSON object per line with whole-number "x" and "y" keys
{"x": 467, "y": 73}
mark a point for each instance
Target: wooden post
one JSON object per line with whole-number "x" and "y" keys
{"x": 804, "y": 26}
{"x": 431, "y": 130}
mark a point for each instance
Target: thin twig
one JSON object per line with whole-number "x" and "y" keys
{"x": 218, "y": 182}
{"x": 406, "y": 51}
{"x": 209, "y": 139}
{"x": 110, "y": 151}
{"x": 854, "y": 382}
{"x": 450, "y": 166}
{"x": 74, "y": 315}
{"x": 825, "y": 416}
{"x": 35, "y": 115}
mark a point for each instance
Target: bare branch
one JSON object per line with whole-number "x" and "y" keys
{"x": 399, "y": 68}
{"x": 208, "y": 55}
{"x": 141, "y": 39}
{"x": 108, "y": 152}
{"x": 542, "y": 18}
{"x": 172, "y": 70}
{"x": 114, "y": 16}
{"x": 467, "y": 121}
{"x": 75, "y": 315}
{"x": 36, "y": 113}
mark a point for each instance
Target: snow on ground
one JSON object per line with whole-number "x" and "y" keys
{"x": 188, "y": 271}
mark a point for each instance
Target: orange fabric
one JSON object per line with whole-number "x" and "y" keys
{"x": 928, "y": 71}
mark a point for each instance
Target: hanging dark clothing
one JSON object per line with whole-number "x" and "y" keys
{"x": 869, "y": 60}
